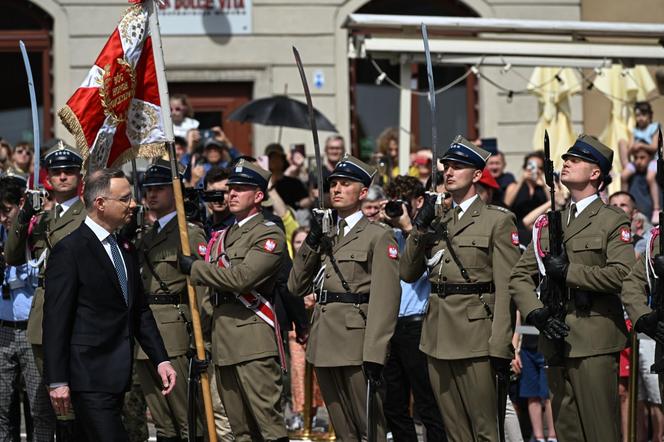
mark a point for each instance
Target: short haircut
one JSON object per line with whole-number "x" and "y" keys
{"x": 643, "y": 107}
{"x": 405, "y": 187}
{"x": 10, "y": 190}
{"x": 623, "y": 193}
{"x": 536, "y": 154}
{"x": 98, "y": 184}
{"x": 215, "y": 175}
{"x": 335, "y": 137}
{"x": 375, "y": 193}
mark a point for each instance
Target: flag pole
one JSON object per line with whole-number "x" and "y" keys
{"x": 179, "y": 205}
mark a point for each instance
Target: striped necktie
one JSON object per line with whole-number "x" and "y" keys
{"x": 119, "y": 267}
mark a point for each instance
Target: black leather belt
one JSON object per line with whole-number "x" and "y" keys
{"x": 166, "y": 299}
{"x": 20, "y": 325}
{"x": 401, "y": 320}
{"x": 326, "y": 297}
{"x": 445, "y": 289}
{"x": 218, "y": 298}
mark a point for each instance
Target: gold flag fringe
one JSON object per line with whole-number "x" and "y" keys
{"x": 150, "y": 150}
{"x": 71, "y": 123}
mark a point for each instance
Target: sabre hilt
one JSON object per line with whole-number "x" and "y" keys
{"x": 438, "y": 199}
{"x": 325, "y": 217}
{"x": 36, "y": 198}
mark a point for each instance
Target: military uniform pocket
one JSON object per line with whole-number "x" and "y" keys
{"x": 354, "y": 320}
{"x": 352, "y": 263}
{"x": 475, "y": 312}
{"x": 473, "y": 250}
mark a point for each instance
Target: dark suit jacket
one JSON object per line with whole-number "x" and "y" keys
{"x": 89, "y": 330}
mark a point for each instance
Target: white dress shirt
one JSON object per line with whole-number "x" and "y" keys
{"x": 351, "y": 220}
{"x": 102, "y": 234}
{"x": 67, "y": 204}
{"x": 581, "y": 205}
{"x": 465, "y": 205}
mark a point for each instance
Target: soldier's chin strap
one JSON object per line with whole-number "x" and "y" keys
{"x": 196, "y": 368}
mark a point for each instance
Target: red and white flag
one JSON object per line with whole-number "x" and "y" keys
{"x": 115, "y": 114}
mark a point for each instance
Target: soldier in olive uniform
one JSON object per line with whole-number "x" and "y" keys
{"x": 240, "y": 267}
{"x": 166, "y": 290}
{"x": 355, "y": 313}
{"x": 63, "y": 164}
{"x": 467, "y": 330}
{"x": 597, "y": 255}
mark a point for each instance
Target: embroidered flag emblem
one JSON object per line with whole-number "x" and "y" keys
{"x": 270, "y": 245}
{"x": 392, "y": 252}
{"x": 515, "y": 238}
{"x": 625, "y": 235}
{"x": 202, "y": 249}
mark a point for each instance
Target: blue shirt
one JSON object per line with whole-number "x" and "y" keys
{"x": 22, "y": 281}
{"x": 415, "y": 295}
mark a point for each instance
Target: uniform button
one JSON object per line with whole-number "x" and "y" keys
{"x": 352, "y": 256}
{"x": 327, "y": 275}
{"x": 587, "y": 246}
{"x": 322, "y": 309}
{"x": 447, "y": 260}
{"x": 473, "y": 242}
{"x": 444, "y": 278}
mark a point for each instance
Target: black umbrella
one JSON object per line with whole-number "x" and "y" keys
{"x": 280, "y": 111}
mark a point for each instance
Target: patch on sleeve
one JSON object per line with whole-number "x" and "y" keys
{"x": 270, "y": 245}
{"x": 625, "y": 235}
{"x": 392, "y": 252}
{"x": 515, "y": 238}
{"x": 202, "y": 249}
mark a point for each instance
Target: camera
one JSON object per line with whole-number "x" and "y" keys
{"x": 213, "y": 196}
{"x": 394, "y": 208}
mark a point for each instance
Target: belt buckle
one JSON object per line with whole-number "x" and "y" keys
{"x": 215, "y": 299}
{"x": 322, "y": 297}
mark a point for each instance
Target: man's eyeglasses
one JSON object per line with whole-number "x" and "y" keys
{"x": 124, "y": 199}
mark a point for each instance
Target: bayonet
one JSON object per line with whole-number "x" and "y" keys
{"x": 34, "y": 192}
{"x": 326, "y": 214}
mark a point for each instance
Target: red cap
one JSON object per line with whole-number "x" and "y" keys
{"x": 488, "y": 180}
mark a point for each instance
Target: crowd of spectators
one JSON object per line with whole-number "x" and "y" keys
{"x": 394, "y": 199}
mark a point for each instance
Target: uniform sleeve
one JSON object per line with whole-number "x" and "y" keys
{"x": 522, "y": 287}
{"x": 259, "y": 265}
{"x": 505, "y": 255}
{"x": 197, "y": 241}
{"x": 17, "y": 241}
{"x": 634, "y": 291}
{"x": 608, "y": 278}
{"x": 305, "y": 266}
{"x": 412, "y": 265}
{"x": 384, "y": 299}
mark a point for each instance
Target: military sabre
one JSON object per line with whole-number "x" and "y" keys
{"x": 439, "y": 197}
{"x": 325, "y": 214}
{"x": 35, "y": 194}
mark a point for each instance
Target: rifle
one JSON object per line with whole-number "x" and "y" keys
{"x": 371, "y": 417}
{"x": 553, "y": 294}
{"x": 321, "y": 212}
{"x": 658, "y": 299}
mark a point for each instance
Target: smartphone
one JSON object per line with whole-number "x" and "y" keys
{"x": 264, "y": 162}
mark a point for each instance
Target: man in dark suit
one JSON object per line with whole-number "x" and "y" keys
{"x": 94, "y": 308}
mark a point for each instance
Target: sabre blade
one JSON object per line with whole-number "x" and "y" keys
{"x": 35, "y": 115}
{"x": 432, "y": 105}
{"x": 312, "y": 126}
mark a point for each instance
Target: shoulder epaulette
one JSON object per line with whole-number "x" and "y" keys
{"x": 498, "y": 208}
